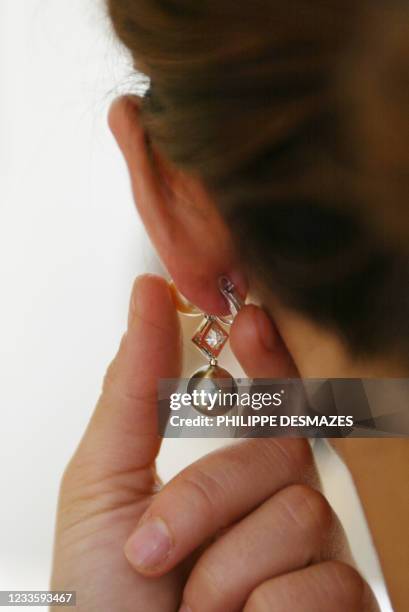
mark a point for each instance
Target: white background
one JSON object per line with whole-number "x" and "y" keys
{"x": 70, "y": 246}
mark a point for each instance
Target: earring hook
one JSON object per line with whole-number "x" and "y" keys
{"x": 233, "y": 299}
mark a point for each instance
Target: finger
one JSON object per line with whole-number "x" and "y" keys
{"x": 211, "y": 494}
{"x": 292, "y": 529}
{"x": 258, "y": 346}
{"x": 123, "y": 433}
{"x": 326, "y": 587}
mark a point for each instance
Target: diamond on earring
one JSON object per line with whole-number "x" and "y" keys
{"x": 210, "y": 338}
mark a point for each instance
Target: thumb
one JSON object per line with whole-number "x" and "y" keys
{"x": 258, "y": 346}
{"x": 122, "y": 435}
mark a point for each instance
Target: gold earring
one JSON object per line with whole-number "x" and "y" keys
{"x": 210, "y": 338}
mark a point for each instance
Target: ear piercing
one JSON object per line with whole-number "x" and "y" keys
{"x": 210, "y": 338}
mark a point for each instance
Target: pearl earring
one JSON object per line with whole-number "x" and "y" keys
{"x": 210, "y": 338}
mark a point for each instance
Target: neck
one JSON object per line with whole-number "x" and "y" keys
{"x": 319, "y": 353}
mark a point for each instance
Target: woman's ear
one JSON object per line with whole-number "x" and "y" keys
{"x": 182, "y": 221}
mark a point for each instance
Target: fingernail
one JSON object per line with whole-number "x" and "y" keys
{"x": 266, "y": 329}
{"x": 132, "y": 304}
{"x": 149, "y": 545}
{"x": 185, "y": 608}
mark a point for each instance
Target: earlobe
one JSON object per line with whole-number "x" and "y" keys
{"x": 183, "y": 223}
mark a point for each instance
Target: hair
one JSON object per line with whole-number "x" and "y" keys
{"x": 295, "y": 117}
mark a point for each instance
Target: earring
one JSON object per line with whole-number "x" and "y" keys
{"x": 211, "y": 380}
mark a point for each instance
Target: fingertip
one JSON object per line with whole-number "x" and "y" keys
{"x": 267, "y": 332}
{"x": 258, "y": 346}
{"x": 150, "y": 293}
{"x": 152, "y": 282}
{"x": 153, "y": 332}
{"x": 253, "y": 330}
{"x": 149, "y": 547}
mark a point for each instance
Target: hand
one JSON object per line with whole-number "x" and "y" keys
{"x": 243, "y": 527}
{"x": 111, "y": 479}
{"x": 263, "y": 536}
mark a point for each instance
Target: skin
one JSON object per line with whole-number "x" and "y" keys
{"x": 259, "y": 497}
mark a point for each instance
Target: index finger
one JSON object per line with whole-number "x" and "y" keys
{"x": 123, "y": 432}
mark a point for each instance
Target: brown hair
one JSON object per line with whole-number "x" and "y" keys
{"x": 294, "y": 115}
